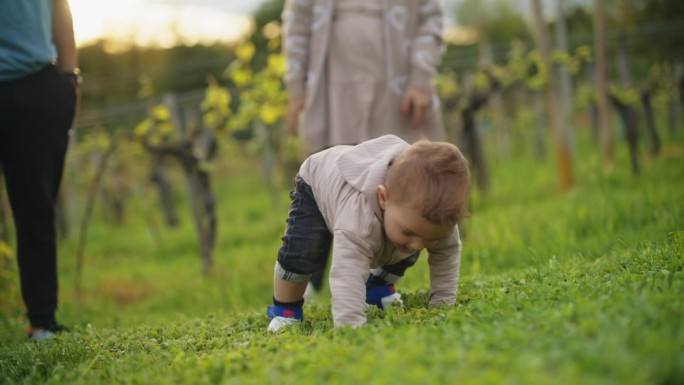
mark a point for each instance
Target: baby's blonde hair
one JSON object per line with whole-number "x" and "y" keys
{"x": 434, "y": 178}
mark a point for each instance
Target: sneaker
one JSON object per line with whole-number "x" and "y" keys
{"x": 280, "y": 322}
{"x": 383, "y": 296}
{"x": 44, "y": 333}
{"x": 282, "y": 316}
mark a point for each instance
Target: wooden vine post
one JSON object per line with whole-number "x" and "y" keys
{"x": 602, "y": 94}
{"x": 193, "y": 147}
{"x": 93, "y": 190}
{"x": 562, "y": 147}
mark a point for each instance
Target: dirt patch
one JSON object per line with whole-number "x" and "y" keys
{"x": 127, "y": 291}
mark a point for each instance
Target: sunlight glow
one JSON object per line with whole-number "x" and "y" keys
{"x": 147, "y": 23}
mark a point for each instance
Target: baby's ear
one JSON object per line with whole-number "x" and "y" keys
{"x": 382, "y": 195}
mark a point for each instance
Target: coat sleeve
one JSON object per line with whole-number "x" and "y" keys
{"x": 349, "y": 271}
{"x": 444, "y": 261}
{"x": 296, "y": 43}
{"x": 428, "y": 44}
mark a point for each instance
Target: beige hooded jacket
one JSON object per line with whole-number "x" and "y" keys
{"x": 344, "y": 181}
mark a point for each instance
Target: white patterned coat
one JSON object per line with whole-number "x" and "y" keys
{"x": 412, "y": 33}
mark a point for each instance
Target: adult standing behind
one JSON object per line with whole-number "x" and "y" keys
{"x": 39, "y": 83}
{"x": 360, "y": 69}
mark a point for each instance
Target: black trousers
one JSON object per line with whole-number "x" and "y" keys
{"x": 36, "y": 113}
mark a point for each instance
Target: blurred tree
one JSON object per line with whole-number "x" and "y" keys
{"x": 554, "y": 118}
{"x": 566, "y": 86}
{"x": 5, "y": 210}
{"x": 497, "y": 21}
{"x": 500, "y": 20}
{"x": 625, "y": 108}
{"x": 112, "y": 77}
{"x": 104, "y": 146}
{"x": 476, "y": 98}
{"x": 9, "y": 286}
{"x": 580, "y": 22}
{"x": 601, "y": 68}
{"x": 624, "y": 100}
{"x": 654, "y": 30}
{"x": 663, "y": 40}
{"x": 269, "y": 12}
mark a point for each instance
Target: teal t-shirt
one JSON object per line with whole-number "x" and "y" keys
{"x": 26, "y": 43}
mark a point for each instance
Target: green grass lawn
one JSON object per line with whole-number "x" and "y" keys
{"x": 584, "y": 287}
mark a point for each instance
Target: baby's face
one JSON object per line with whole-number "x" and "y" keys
{"x": 407, "y": 229}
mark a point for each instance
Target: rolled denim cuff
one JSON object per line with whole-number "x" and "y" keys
{"x": 290, "y": 276}
{"x": 386, "y": 275}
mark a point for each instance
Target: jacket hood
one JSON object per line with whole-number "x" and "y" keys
{"x": 364, "y": 166}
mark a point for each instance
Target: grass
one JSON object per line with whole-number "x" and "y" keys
{"x": 584, "y": 287}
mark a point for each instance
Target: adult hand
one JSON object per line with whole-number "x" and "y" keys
{"x": 416, "y": 102}
{"x": 294, "y": 107}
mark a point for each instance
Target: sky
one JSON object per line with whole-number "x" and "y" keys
{"x": 161, "y": 22}
{"x": 164, "y": 22}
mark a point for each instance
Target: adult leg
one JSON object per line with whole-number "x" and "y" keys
{"x": 36, "y": 139}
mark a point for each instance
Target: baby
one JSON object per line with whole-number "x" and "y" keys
{"x": 377, "y": 204}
